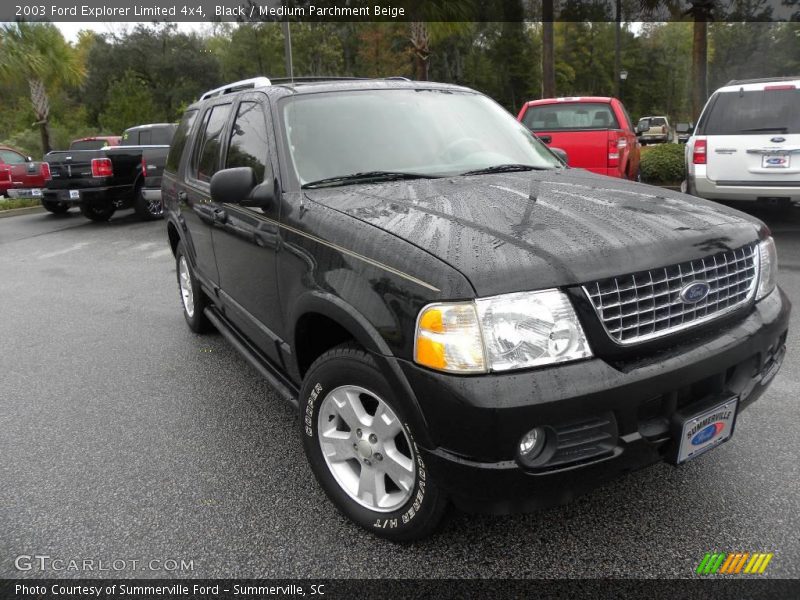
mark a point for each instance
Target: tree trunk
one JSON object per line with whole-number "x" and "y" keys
{"x": 41, "y": 107}
{"x": 617, "y": 47}
{"x": 699, "y": 64}
{"x": 548, "y": 51}
{"x": 422, "y": 51}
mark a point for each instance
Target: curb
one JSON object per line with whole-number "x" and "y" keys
{"x": 15, "y": 212}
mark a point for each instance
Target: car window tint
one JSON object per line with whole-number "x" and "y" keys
{"x": 179, "y": 140}
{"x": 87, "y": 145}
{"x": 657, "y": 121}
{"x": 574, "y": 115}
{"x": 11, "y": 158}
{"x": 130, "y": 138}
{"x": 145, "y": 137}
{"x": 207, "y": 152}
{"x": 162, "y": 136}
{"x": 248, "y": 142}
{"x": 750, "y": 112}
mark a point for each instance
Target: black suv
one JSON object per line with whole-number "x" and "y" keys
{"x": 457, "y": 315}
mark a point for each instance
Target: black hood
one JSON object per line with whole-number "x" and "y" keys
{"x": 534, "y": 230}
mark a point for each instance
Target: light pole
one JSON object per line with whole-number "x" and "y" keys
{"x": 623, "y": 75}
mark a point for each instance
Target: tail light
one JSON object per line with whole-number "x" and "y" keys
{"x": 101, "y": 167}
{"x": 663, "y": 129}
{"x": 699, "y": 152}
{"x": 615, "y": 143}
{"x": 46, "y": 171}
{"x": 144, "y": 168}
{"x": 779, "y": 87}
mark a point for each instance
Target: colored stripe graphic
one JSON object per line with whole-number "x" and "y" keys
{"x": 734, "y": 563}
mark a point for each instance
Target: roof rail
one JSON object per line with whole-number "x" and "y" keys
{"x": 244, "y": 84}
{"x": 397, "y": 78}
{"x": 761, "y": 80}
{"x": 314, "y": 78}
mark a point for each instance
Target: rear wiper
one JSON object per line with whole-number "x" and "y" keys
{"x": 504, "y": 169}
{"x": 779, "y": 129}
{"x": 366, "y": 177}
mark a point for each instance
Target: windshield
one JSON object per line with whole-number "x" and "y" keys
{"x": 425, "y": 132}
{"x": 570, "y": 115}
{"x": 755, "y": 111}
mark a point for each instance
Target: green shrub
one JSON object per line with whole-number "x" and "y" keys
{"x": 663, "y": 163}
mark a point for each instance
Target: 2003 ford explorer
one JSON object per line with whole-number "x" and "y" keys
{"x": 457, "y": 315}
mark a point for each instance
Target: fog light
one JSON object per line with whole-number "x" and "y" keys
{"x": 531, "y": 444}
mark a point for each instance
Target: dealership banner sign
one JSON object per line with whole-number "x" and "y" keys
{"x": 394, "y": 10}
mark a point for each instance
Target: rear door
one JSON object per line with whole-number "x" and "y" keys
{"x": 753, "y": 135}
{"x": 199, "y": 212}
{"x": 579, "y": 128}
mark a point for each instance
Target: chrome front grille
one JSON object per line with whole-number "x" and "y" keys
{"x": 642, "y": 306}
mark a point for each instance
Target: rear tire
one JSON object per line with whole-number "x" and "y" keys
{"x": 99, "y": 214}
{"x": 193, "y": 300}
{"x": 360, "y": 447}
{"x": 57, "y": 208}
{"x": 147, "y": 211}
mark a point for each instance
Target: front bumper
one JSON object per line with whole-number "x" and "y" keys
{"x": 477, "y": 422}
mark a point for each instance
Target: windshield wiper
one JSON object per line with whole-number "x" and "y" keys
{"x": 504, "y": 169}
{"x": 366, "y": 177}
{"x": 780, "y": 129}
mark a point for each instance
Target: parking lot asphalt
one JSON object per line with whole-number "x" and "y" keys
{"x": 123, "y": 436}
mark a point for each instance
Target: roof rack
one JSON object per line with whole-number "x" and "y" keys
{"x": 761, "y": 80}
{"x": 244, "y": 84}
{"x": 323, "y": 78}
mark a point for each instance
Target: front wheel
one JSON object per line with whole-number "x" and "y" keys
{"x": 99, "y": 214}
{"x": 361, "y": 448}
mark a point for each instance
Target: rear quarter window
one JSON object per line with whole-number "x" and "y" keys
{"x": 751, "y": 112}
{"x": 179, "y": 140}
{"x": 571, "y": 116}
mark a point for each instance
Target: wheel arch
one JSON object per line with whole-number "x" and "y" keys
{"x": 321, "y": 307}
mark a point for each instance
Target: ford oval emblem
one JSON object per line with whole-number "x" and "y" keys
{"x": 777, "y": 139}
{"x": 694, "y": 292}
{"x": 708, "y": 433}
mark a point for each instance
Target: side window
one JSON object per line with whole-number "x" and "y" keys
{"x": 248, "y": 143}
{"x": 144, "y": 137}
{"x": 205, "y": 160}
{"x": 11, "y": 158}
{"x": 179, "y": 141}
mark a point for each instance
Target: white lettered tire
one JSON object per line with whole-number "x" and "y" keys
{"x": 361, "y": 449}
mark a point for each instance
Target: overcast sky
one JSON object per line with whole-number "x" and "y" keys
{"x": 70, "y": 30}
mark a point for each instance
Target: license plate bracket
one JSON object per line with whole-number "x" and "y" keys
{"x": 705, "y": 428}
{"x": 775, "y": 161}
{"x": 74, "y": 194}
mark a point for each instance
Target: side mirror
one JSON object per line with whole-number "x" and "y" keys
{"x": 643, "y": 126}
{"x": 560, "y": 154}
{"x": 28, "y": 159}
{"x": 239, "y": 186}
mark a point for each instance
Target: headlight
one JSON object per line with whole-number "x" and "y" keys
{"x": 530, "y": 329}
{"x": 768, "y": 273}
{"x": 512, "y": 331}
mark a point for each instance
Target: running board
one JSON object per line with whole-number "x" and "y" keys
{"x": 260, "y": 363}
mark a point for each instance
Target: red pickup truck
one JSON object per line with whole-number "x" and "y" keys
{"x": 20, "y": 175}
{"x": 596, "y": 132}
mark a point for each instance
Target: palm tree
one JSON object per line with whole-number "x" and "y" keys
{"x": 548, "y": 51}
{"x": 38, "y": 55}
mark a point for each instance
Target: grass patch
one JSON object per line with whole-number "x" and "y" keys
{"x": 12, "y": 203}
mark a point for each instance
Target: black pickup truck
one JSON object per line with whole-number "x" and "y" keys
{"x": 103, "y": 180}
{"x": 456, "y": 314}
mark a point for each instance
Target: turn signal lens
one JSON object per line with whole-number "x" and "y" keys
{"x": 768, "y": 273}
{"x": 449, "y": 339}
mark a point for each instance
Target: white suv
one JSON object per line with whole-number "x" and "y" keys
{"x": 747, "y": 143}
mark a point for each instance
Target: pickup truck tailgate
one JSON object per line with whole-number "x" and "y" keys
{"x": 70, "y": 165}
